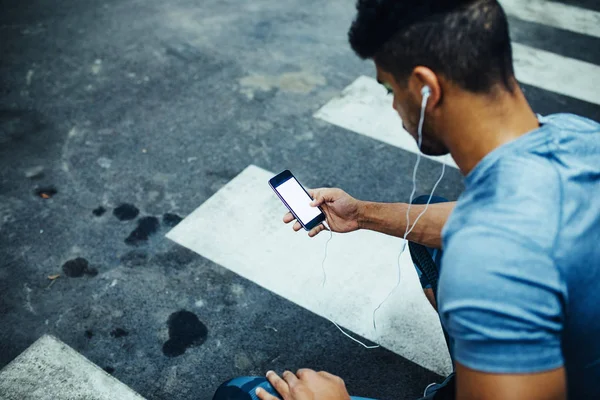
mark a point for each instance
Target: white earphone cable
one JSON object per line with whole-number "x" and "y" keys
{"x": 426, "y": 93}
{"x": 366, "y": 346}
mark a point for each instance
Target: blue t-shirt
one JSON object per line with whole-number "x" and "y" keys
{"x": 519, "y": 290}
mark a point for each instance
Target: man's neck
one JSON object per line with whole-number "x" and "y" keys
{"x": 476, "y": 125}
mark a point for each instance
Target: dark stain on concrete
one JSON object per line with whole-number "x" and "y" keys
{"x": 185, "y": 330}
{"x": 78, "y": 267}
{"x": 126, "y": 212}
{"x": 75, "y": 268}
{"x": 100, "y": 211}
{"x": 146, "y": 227}
{"x": 171, "y": 220}
{"x": 119, "y": 333}
{"x": 46, "y": 192}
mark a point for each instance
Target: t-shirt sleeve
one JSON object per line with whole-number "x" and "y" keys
{"x": 501, "y": 301}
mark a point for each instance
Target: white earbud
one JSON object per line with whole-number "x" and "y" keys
{"x": 426, "y": 91}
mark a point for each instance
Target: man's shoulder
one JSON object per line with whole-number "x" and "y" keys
{"x": 518, "y": 196}
{"x": 571, "y": 122}
{"x": 517, "y": 174}
{"x": 524, "y": 191}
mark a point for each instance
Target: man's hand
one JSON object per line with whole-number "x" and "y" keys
{"x": 341, "y": 209}
{"x": 305, "y": 385}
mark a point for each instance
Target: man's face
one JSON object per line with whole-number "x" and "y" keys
{"x": 408, "y": 107}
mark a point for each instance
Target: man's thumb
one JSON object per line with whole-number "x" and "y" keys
{"x": 318, "y": 201}
{"x": 318, "y": 198}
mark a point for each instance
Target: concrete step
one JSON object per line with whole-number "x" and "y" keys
{"x": 51, "y": 370}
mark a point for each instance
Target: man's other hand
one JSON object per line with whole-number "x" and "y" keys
{"x": 306, "y": 384}
{"x": 341, "y": 209}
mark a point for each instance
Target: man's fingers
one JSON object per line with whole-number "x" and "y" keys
{"x": 290, "y": 378}
{"x": 289, "y": 217}
{"x": 305, "y": 373}
{"x": 315, "y": 231}
{"x": 262, "y": 394}
{"x": 278, "y": 384}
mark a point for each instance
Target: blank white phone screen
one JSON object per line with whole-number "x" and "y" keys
{"x": 298, "y": 200}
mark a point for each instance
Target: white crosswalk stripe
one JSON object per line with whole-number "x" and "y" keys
{"x": 557, "y": 15}
{"x": 556, "y": 73}
{"x": 240, "y": 228}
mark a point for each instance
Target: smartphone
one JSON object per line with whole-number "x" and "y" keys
{"x": 297, "y": 200}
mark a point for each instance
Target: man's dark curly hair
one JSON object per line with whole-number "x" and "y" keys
{"x": 465, "y": 41}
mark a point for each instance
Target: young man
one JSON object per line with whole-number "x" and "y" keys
{"x": 519, "y": 291}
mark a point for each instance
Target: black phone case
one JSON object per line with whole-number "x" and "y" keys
{"x": 284, "y": 177}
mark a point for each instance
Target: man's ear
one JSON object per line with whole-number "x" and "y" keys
{"x": 421, "y": 77}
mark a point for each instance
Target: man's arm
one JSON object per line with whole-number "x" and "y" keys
{"x": 475, "y": 385}
{"x": 390, "y": 218}
{"x": 347, "y": 214}
{"x": 501, "y": 302}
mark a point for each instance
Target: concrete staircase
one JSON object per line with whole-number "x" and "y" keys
{"x": 51, "y": 370}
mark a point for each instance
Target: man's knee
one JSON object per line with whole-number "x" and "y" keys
{"x": 229, "y": 392}
{"x": 240, "y": 388}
